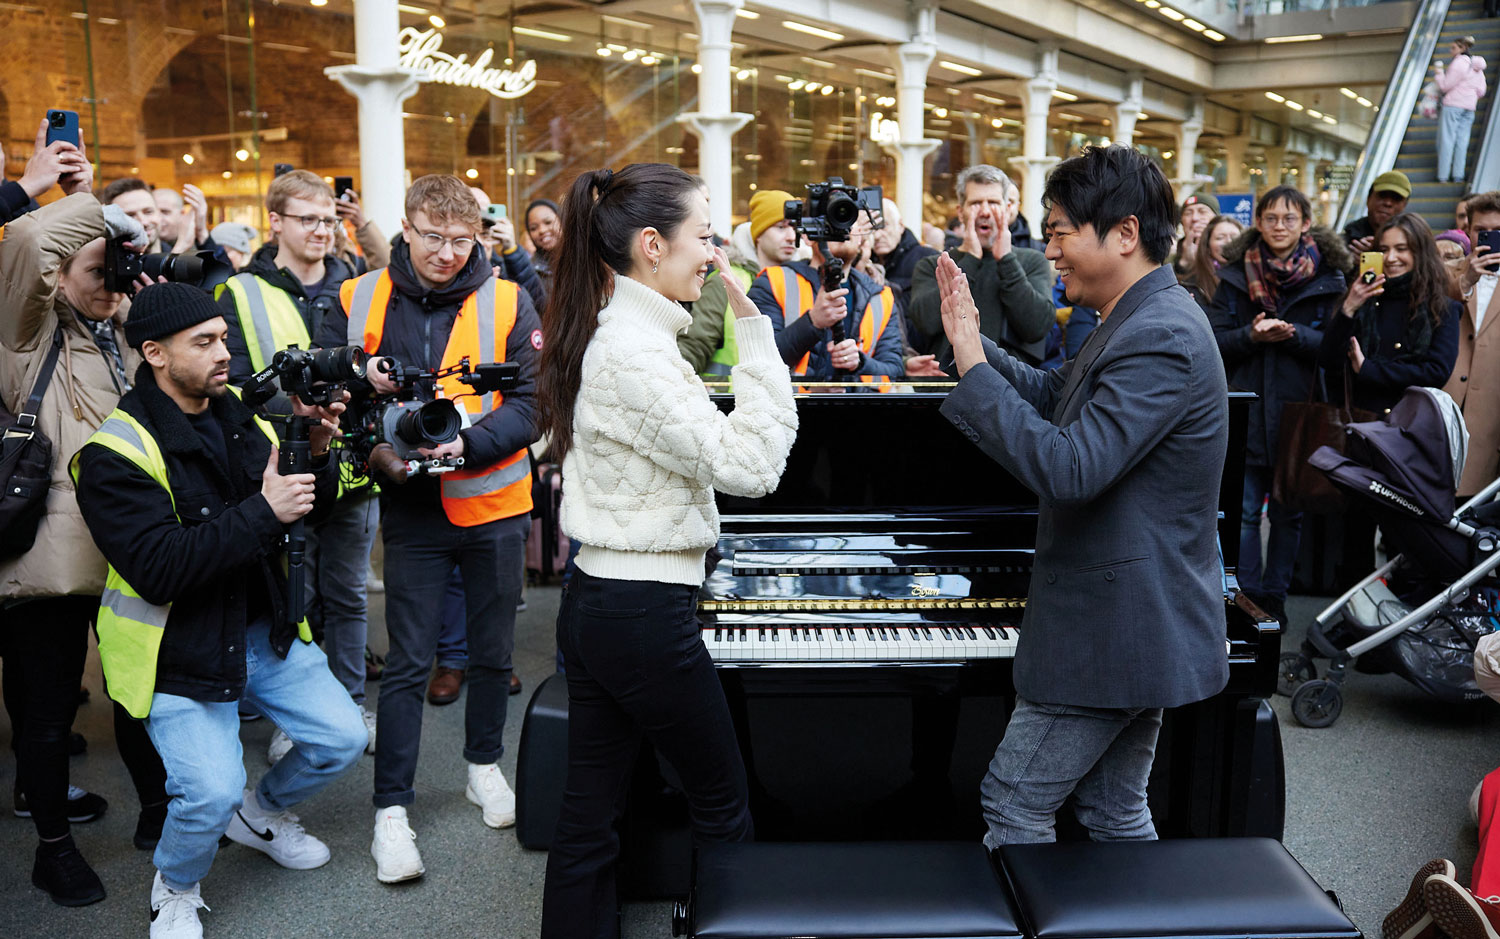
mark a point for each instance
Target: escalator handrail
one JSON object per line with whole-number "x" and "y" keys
{"x": 1396, "y": 107}
{"x": 1487, "y": 165}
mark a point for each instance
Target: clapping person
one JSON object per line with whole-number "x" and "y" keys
{"x": 49, "y": 164}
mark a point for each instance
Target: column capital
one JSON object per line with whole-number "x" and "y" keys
{"x": 716, "y": 21}
{"x": 923, "y": 17}
{"x": 911, "y": 149}
{"x": 399, "y": 82}
{"x": 1046, "y": 61}
{"x": 917, "y": 54}
{"x": 1038, "y": 94}
{"x": 1030, "y": 163}
{"x": 700, "y": 123}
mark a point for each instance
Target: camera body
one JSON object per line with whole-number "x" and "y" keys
{"x": 122, "y": 267}
{"x": 315, "y": 377}
{"x": 832, "y": 208}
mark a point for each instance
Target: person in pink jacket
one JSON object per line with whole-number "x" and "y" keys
{"x": 1462, "y": 84}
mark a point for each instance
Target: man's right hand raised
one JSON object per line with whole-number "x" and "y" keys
{"x": 829, "y": 307}
{"x": 290, "y": 497}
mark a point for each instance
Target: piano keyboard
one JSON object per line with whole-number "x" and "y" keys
{"x": 824, "y": 643}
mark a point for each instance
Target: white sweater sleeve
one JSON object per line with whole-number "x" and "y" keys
{"x": 670, "y": 420}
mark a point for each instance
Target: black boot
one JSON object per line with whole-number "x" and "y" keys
{"x": 62, "y": 872}
{"x": 148, "y": 826}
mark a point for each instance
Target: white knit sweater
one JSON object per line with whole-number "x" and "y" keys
{"x": 649, "y": 447}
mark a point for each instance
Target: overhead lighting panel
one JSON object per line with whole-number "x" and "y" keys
{"x": 797, "y": 27}
{"x": 540, "y": 34}
{"x": 1306, "y": 37}
{"x": 960, "y": 68}
{"x": 1213, "y": 34}
{"x": 1065, "y": 95}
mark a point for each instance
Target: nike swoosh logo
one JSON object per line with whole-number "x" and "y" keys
{"x": 266, "y": 835}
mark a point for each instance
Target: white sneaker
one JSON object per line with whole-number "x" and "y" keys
{"x": 174, "y": 913}
{"x": 369, "y": 718}
{"x": 280, "y": 746}
{"x": 395, "y": 847}
{"x": 489, "y": 790}
{"x": 277, "y": 834}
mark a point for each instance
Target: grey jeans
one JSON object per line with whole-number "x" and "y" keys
{"x": 1100, "y": 756}
{"x": 338, "y": 561}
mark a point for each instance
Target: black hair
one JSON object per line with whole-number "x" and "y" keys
{"x": 1103, "y": 186}
{"x": 602, "y": 215}
{"x": 526, "y": 216}
{"x": 1291, "y": 195}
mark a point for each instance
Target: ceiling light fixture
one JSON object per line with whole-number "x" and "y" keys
{"x": 1194, "y": 25}
{"x": 622, "y": 21}
{"x": 1171, "y": 14}
{"x": 1348, "y": 93}
{"x": 1329, "y": 120}
{"x": 797, "y": 85}
{"x": 603, "y": 52}
{"x": 960, "y": 68}
{"x": 1306, "y": 37}
{"x": 318, "y": 3}
{"x": 1365, "y": 102}
{"x": 408, "y": 8}
{"x": 1294, "y": 105}
{"x": 1065, "y": 95}
{"x": 1314, "y": 114}
{"x": 827, "y": 90}
{"x": 437, "y": 21}
{"x": 649, "y": 59}
{"x": 797, "y": 27}
{"x": 818, "y": 62}
{"x": 747, "y": 14}
{"x": 1275, "y": 97}
{"x": 1213, "y": 34}
{"x": 541, "y": 34}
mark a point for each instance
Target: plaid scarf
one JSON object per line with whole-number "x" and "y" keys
{"x": 1268, "y": 276}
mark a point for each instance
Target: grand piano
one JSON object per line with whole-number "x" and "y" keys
{"x": 863, "y": 618}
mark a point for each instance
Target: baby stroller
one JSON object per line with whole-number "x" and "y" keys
{"x": 1420, "y": 614}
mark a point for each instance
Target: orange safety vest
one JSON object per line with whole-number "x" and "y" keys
{"x": 872, "y": 324}
{"x": 470, "y": 496}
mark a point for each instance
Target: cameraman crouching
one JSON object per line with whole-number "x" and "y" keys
{"x": 180, "y": 490}
{"x": 437, "y": 303}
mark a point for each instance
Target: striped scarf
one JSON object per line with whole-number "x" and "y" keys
{"x": 1268, "y": 276}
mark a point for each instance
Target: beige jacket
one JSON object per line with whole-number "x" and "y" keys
{"x": 82, "y": 393}
{"x": 1475, "y": 385}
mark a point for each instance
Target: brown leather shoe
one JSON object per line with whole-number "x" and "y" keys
{"x": 515, "y": 683}
{"x": 444, "y": 686}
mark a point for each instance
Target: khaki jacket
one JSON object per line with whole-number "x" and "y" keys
{"x": 1475, "y": 385}
{"x": 82, "y": 393}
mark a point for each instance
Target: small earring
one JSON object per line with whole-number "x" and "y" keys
{"x": 653, "y": 266}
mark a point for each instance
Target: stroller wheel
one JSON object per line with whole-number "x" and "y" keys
{"x": 1317, "y": 703}
{"x": 1295, "y": 668}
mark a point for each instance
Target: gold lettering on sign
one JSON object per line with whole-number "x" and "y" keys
{"x": 917, "y": 590}
{"x": 421, "y": 49}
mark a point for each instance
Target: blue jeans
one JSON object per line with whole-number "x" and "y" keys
{"x": 1275, "y": 576}
{"x": 453, "y": 639}
{"x": 1100, "y": 756}
{"x": 1453, "y": 129}
{"x": 338, "y": 561}
{"x": 199, "y": 742}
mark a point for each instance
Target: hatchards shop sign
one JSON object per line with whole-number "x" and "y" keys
{"x": 422, "y": 50}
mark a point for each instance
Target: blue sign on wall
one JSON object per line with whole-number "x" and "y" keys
{"x": 1240, "y": 207}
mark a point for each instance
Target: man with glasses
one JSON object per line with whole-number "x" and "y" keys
{"x": 436, "y": 304}
{"x": 1476, "y": 373}
{"x": 281, "y": 299}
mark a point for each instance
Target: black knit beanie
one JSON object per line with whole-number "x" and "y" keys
{"x": 163, "y": 309}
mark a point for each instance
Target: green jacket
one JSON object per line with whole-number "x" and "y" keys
{"x": 705, "y": 335}
{"x": 1014, "y": 297}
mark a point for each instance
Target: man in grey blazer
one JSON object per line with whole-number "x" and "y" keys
{"x": 1125, "y": 446}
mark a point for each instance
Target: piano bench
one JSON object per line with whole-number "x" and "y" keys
{"x": 847, "y": 890}
{"x": 1248, "y": 888}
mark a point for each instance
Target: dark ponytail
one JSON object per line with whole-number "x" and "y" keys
{"x": 601, "y": 216}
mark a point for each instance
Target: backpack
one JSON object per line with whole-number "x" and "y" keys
{"x": 25, "y": 464}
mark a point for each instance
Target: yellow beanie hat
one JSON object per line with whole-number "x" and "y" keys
{"x": 767, "y": 207}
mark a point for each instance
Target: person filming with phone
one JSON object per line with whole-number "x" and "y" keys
{"x": 1475, "y": 381}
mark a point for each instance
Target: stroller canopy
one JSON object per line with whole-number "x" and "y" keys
{"x": 1411, "y": 460}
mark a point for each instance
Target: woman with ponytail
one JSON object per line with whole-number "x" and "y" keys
{"x": 643, "y": 449}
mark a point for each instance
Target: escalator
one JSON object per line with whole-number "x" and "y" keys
{"x": 1432, "y": 200}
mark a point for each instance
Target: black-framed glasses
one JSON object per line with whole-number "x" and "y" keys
{"x": 434, "y": 242}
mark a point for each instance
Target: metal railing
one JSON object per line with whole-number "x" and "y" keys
{"x": 1389, "y": 129}
{"x": 1487, "y": 164}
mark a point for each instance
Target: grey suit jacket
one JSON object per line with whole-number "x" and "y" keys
{"x": 1125, "y": 446}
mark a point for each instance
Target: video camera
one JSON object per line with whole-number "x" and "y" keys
{"x": 315, "y": 377}
{"x": 832, "y": 208}
{"x": 387, "y": 431}
{"x": 122, "y": 267}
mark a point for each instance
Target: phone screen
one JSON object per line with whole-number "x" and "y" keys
{"x": 341, "y": 185}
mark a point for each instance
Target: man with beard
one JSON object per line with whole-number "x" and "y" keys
{"x": 280, "y": 300}
{"x": 1387, "y": 199}
{"x": 1012, "y": 286}
{"x": 180, "y": 489}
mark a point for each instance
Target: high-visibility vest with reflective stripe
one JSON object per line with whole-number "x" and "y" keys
{"x": 130, "y": 627}
{"x": 872, "y": 324}
{"x": 480, "y": 331}
{"x": 727, "y": 356}
{"x": 269, "y": 318}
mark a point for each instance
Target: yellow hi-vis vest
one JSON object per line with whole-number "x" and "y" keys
{"x": 130, "y": 627}
{"x": 269, "y": 318}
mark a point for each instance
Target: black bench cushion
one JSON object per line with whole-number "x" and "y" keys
{"x": 869, "y": 890}
{"x": 1199, "y": 887}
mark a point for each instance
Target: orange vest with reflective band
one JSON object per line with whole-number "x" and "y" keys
{"x": 470, "y": 496}
{"x": 784, "y": 280}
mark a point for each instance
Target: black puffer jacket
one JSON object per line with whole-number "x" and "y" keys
{"x": 1277, "y": 372}
{"x": 216, "y": 555}
{"x": 417, "y": 325}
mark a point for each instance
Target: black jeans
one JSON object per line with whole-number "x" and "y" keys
{"x": 45, "y": 647}
{"x": 421, "y": 549}
{"x": 636, "y": 666}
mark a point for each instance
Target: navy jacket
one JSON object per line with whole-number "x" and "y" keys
{"x": 1124, "y": 446}
{"x": 314, "y": 309}
{"x": 801, "y": 337}
{"x": 1397, "y": 361}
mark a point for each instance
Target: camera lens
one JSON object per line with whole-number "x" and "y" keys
{"x": 842, "y": 210}
{"x": 431, "y": 425}
{"x": 339, "y": 364}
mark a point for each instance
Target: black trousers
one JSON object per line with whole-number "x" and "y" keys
{"x": 45, "y": 646}
{"x": 636, "y": 667}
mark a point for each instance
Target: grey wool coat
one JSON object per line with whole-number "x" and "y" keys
{"x": 1124, "y": 446}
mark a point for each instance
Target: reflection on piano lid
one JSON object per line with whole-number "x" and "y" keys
{"x": 861, "y": 605}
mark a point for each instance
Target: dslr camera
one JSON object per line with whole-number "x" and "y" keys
{"x": 122, "y": 267}
{"x": 315, "y": 377}
{"x": 832, "y": 208}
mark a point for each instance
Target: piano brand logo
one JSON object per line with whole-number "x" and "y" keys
{"x": 918, "y": 590}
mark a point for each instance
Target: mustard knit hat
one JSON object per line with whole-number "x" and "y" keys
{"x": 767, "y": 207}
